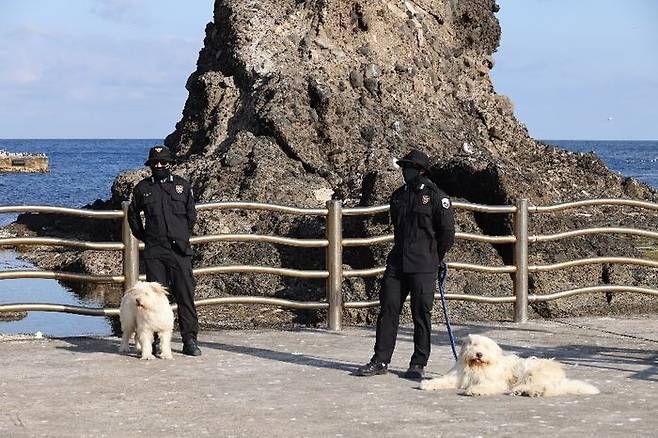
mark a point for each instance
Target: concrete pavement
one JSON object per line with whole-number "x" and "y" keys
{"x": 282, "y": 383}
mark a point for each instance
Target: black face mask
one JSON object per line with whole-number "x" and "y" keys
{"x": 160, "y": 173}
{"x": 410, "y": 175}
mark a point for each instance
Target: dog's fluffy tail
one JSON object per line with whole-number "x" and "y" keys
{"x": 577, "y": 387}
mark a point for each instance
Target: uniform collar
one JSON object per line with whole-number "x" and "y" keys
{"x": 170, "y": 179}
{"x": 420, "y": 184}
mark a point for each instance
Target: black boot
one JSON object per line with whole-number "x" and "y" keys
{"x": 190, "y": 346}
{"x": 371, "y": 369}
{"x": 415, "y": 371}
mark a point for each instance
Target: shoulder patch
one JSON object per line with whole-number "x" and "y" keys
{"x": 445, "y": 203}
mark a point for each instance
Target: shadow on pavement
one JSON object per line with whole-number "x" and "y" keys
{"x": 90, "y": 345}
{"x": 592, "y": 356}
{"x": 640, "y": 364}
{"x": 281, "y": 356}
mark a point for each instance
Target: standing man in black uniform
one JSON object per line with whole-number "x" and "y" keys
{"x": 424, "y": 229}
{"x": 168, "y": 207}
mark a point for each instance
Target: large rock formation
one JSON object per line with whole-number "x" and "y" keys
{"x": 297, "y": 101}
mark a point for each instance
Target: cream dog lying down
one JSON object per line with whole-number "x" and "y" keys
{"x": 145, "y": 310}
{"x": 483, "y": 369}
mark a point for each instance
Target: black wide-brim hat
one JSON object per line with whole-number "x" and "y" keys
{"x": 159, "y": 153}
{"x": 416, "y": 158}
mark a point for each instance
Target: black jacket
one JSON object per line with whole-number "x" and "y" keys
{"x": 424, "y": 227}
{"x": 170, "y": 215}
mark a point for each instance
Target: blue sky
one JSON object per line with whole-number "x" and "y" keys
{"x": 581, "y": 69}
{"x": 97, "y": 68}
{"x": 585, "y": 69}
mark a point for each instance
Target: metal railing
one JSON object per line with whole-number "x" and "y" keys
{"x": 334, "y": 243}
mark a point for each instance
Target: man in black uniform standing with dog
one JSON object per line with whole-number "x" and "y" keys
{"x": 424, "y": 230}
{"x": 168, "y": 206}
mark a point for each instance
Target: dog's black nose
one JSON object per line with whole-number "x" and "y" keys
{"x": 478, "y": 355}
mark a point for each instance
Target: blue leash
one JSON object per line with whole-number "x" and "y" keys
{"x": 442, "y": 279}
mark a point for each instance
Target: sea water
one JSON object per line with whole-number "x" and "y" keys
{"x": 81, "y": 171}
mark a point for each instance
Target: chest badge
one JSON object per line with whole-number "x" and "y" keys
{"x": 426, "y": 199}
{"x": 179, "y": 188}
{"x": 445, "y": 202}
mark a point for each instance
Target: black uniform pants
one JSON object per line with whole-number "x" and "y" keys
{"x": 396, "y": 286}
{"x": 174, "y": 271}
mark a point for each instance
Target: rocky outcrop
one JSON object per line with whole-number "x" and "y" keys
{"x": 296, "y": 101}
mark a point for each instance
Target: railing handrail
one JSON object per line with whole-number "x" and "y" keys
{"x": 261, "y": 238}
{"x": 81, "y": 212}
{"x": 243, "y": 205}
{"x": 594, "y": 260}
{"x": 589, "y": 202}
{"x": 505, "y": 269}
{"x": 348, "y": 211}
{"x": 249, "y": 205}
{"x": 356, "y": 211}
{"x": 388, "y": 238}
{"x": 54, "y": 241}
{"x": 113, "y": 311}
{"x": 286, "y": 272}
{"x": 61, "y": 275}
{"x": 592, "y": 289}
{"x": 482, "y": 208}
{"x": 334, "y": 244}
{"x": 587, "y": 231}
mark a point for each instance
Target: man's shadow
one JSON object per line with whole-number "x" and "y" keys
{"x": 282, "y": 356}
{"x": 87, "y": 345}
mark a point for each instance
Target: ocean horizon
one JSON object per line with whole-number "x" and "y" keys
{"x": 82, "y": 170}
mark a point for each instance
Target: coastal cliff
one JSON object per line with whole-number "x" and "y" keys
{"x": 296, "y": 102}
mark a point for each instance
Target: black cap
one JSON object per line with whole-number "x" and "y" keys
{"x": 159, "y": 153}
{"x": 416, "y": 158}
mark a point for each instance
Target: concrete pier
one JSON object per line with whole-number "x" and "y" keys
{"x": 23, "y": 162}
{"x": 279, "y": 383}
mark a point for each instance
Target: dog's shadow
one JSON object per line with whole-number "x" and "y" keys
{"x": 93, "y": 345}
{"x": 87, "y": 345}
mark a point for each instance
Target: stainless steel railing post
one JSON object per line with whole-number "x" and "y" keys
{"x": 521, "y": 261}
{"x": 335, "y": 265}
{"x": 130, "y": 251}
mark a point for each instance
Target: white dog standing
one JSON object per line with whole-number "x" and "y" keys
{"x": 145, "y": 310}
{"x": 483, "y": 369}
